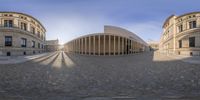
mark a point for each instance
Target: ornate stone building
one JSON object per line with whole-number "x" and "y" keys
{"x": 181, "y": 35}
{"x": 114, "y": 41}
{"x": 20, "y": 34}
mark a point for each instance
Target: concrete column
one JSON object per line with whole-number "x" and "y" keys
{"x": 85, "y": 45}
{"x": 99, "y": 44}
{"x": 82, "y": 45}
{"x": 131, "y": 46}
{"x": 78, "y": 46}
{"x": 109, "y": 45}
{"x": 128, "y": 43}
{"x": 74, "y": 46}
{"x": 114, "y": 45}
{"x": 104, "y": 44}
{"x": 94, "y": 45}
{"x": 118, "y": 45}
{"x": 89, "y": 45}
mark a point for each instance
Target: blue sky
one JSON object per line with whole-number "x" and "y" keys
{"x": 68, "y": 19}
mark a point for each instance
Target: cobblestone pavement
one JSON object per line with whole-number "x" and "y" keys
{"x": 60, "y": 76}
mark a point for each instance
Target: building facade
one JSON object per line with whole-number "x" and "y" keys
{"x": 114, "y": 41}
{"x": 52, "y": 45}
{"x": 20, "y": 34}
{"x": 181, "y": 35}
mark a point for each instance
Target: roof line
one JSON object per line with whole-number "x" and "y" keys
{"x": 25, "y": 15}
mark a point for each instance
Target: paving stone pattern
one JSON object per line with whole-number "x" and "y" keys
{"x": 61, "y": 76}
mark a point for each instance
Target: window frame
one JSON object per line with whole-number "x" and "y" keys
{"x": 9, "y": 42}
{"x": 23, "y": 42}
{"x": 8, "y": 23}
{"x": 191, "y": 42}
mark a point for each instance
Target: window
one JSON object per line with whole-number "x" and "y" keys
{"x": 24, "y": 53}
{"x": 23, "y": 42}
{"x": 39, "y": 34}
{"x": 23, "y": 26}
{"x": 33, "y": 30}
{"x": 180, "y": 28}
{"x": 8, "y": 40}
{"x": 8, "y": 54}
{"x": 38, "y": 45}
{"x": 33, "y": 44}
{"x": 8, "y": 23}
{"x": 191, "y": 41}
{"x": 180, "y": 43}
{"x": 192, "y": 24}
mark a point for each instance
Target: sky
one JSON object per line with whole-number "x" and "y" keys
{"x": 69, "y": 19}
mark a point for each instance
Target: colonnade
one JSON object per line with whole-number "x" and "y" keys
{"x": 104, "y": 45}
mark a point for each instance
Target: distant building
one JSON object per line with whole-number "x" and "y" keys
{"x": 52, "y": 45}
{"x": 20, "y": 34}
{"x": 114, "y": 41}
{"x": 154, "y": 45}
{"x": 181, "y": 35}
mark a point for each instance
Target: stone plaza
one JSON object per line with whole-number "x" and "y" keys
{"x": 65, "y": 76}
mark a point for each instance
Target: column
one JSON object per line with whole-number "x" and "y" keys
{"x": 109, "y": 44}
{"x": 85, "y": 45}
{"x": 131, "y": 47}
{"x": 128, "y": 45}
{"x": 82, "y": 45}
{"x": 99, "y": 44}
{"x": 89, "y": 44}
{"x": 94, "y": 45}
{"x": 118, "y": 45}
{"x": 74, "y": 46}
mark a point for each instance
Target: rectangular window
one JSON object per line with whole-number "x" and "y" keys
{"x": 8, "y": 23}
{"x": 180, "y": 43}
{"x": 191, "y": 41}
{"x": 8, "y": 40}
{"x": 33, "y": 30}
{"x": 180, "y": 28}
{"x": 38, "y": 45}
{"x": 192, "y": 24}
{"x": 39, "y": 34}
{"x": 33, "y": 44}
{"x": 23, "y": 42}
{"x": 23, "y": 26}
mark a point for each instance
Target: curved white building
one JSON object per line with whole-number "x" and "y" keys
{"x": 114, "y": 41}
